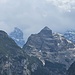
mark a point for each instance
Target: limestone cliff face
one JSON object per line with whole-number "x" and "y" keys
{"x": 15, "y": 61}
{"x": 11, "y": 56}
{"x": 45, "y": 53}
{"x": 45, "y": 40}
{"x": 53, "y": 47}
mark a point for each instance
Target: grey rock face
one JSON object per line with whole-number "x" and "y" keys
{"x": 45, "y": 32}
{"x": 53, "y": 47}
{"x": 45, "y": 40}
{"x": 17, "y": 36}
{"x": 3, "y": 34}
{"x": 71, "y": 70}
{"x": 14, "y": 61}
{"x": 45, "y": 53}
{"x": 11, "y": 56}
{"x": 42, "y": 41}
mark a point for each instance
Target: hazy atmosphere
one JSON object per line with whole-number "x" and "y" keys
{"x": 37, "y": 37}
{"x": 32, "y": 15}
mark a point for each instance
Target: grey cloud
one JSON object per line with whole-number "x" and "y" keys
{"x": 32, "y": 15}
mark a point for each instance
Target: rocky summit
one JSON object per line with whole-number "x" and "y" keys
{"x": 15, "y": 61}
{"x": 45, "y": 32}
{"x": 53, "y": 47}
{"x": 45, "y": 53}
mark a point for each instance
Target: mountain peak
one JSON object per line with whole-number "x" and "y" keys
{"x": 17, "y": 30}
{"x": 46, "y": 32}
{"x": 17, "y": 36}
{"x": 3, "y": 34}
{"x": 17, "y": 33}
{"x": 46, "y": 28}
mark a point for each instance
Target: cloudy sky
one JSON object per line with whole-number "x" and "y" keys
{"x": 32, "y": 15}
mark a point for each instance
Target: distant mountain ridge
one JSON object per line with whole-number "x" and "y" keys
{"x": 15, "y": 61}
{"x": 17, "y": 36}
{"x": 70, "y": 35}
{"x": 44, "y": 53}
{"x": 53, "y": 47}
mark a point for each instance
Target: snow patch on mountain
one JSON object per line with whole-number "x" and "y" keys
{"x": 70, "y": 35}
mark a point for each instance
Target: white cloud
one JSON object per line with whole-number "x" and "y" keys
{"x": 3, "y": 1}
{"x": 66, "y": 5}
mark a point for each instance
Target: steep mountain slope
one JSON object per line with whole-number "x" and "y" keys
{"x": 7, "y": 45}
{"x": 14, "y": 61}
{"x": 17, "y": 36}
{"x": 50, "y": 46}
{"x": 11, "y": 56}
